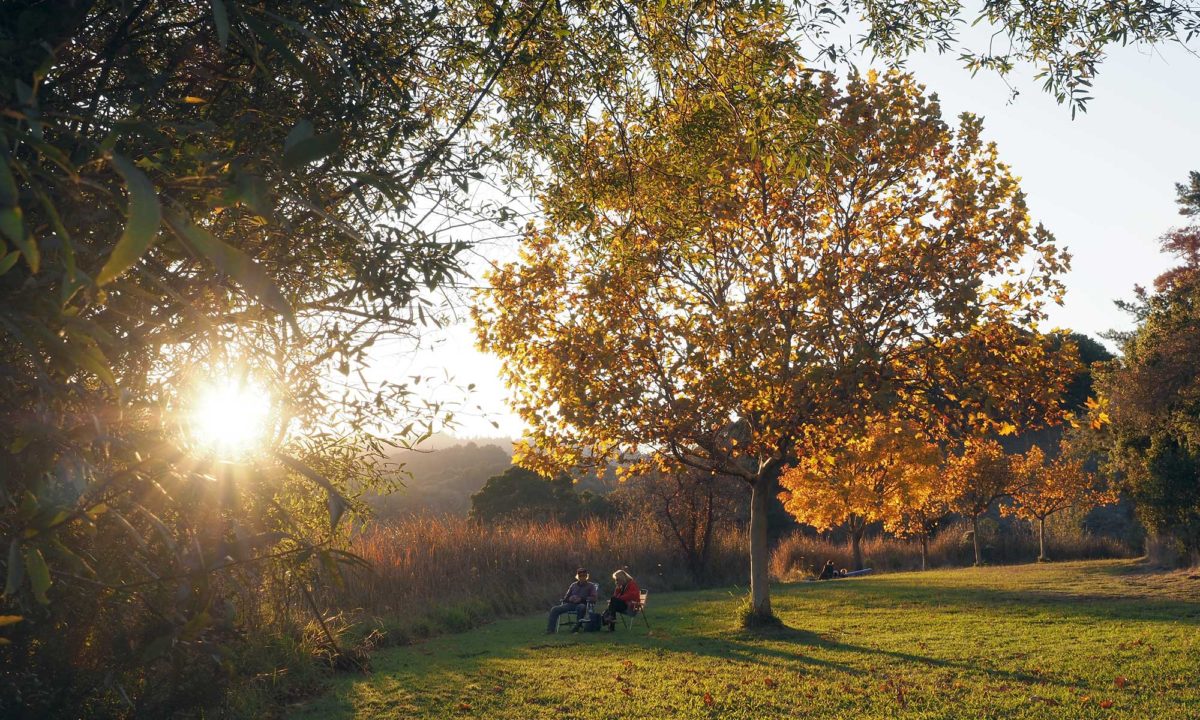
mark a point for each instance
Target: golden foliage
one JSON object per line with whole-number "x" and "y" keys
{"x": 871, "y": 477}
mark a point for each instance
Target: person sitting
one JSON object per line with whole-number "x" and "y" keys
{"x": 627, "y": 593}
{"x": 576, "y": 600}
{"x": 828, "y": 573}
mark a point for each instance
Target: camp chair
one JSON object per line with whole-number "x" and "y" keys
{"x": 576, "y": 619}
{"x": 635, "y": 610}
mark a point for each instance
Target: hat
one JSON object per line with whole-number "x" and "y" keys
{"x": 582, "y": 571}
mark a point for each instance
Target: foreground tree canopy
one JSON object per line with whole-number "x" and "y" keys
{"x": 753, "y": 252}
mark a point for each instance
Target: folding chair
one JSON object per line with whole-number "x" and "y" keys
{"x": 636, "y": 610}
{"x": 576, "y": 619}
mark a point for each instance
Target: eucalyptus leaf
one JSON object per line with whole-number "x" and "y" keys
{"x": 233, "y": 262}
{"x": 143, "y": 219}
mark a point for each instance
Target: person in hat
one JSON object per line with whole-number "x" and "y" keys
{"x": 576, "y": 600}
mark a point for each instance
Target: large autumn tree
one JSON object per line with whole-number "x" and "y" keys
{"x": 751, "y": 250}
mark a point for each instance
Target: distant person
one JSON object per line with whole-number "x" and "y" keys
{"x": 626, "y": 593}
{"x": 576, "y": 600}
{"x": 828, "y": 573}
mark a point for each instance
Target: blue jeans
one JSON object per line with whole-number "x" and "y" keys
{"x": 578, "y": 608}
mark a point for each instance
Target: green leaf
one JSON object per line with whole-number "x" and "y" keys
{"x": 308, "y": 150}
{"x": 221, "y": 20}
{"x": 8, "y": 185}
{"x": 39, "y": 574}
{"x": 7, "y": 262}
{"x": 302, "y": 130}
{"x": 16, "y": 569}
{"x": 276, "y": 43}
{"x": 87, "y": 355}
{"x": 12, "y": 226}
{"x": 337, "y": 502}
{"x": 141, "y": 229}
{"x": 252, "y": 191}
{"x": 233, "y": 262}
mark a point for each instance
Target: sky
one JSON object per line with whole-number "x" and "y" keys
{"x": 1102, "y": 182}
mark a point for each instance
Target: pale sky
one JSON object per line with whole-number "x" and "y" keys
{"x": 1103, "y": 183}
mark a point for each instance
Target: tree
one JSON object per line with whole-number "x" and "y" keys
{"x": 983, "y": 474}
{"x": 860, "y": 480}
{"x": 520, "y": 494}
{"x": 688, "y": 508}
{"x": 749, "y": 252}
{"x": 922, "y": 517}
{"x": 193, "y": 192}
{"x": 1148, "y": 410}
{"x": 1047, "y": 487}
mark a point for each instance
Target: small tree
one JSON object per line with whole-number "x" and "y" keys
{"x": 1046, "y": 488}
{"x": 983, "y": 474}
{"x": 688, "y": 508}
{"x": 865, "y": 479}
{"x": 921, "y": 518}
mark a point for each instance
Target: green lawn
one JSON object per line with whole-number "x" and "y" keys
{"x": 1073, "y": 640}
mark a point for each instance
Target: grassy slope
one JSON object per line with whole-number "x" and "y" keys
{"x": 1028, "y": 641}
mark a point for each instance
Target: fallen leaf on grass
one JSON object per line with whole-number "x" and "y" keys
{"x": 708, "y": 699}
{"x": 770, "y": 682}
{"x": 1121, "y": 681}
{"x": 1106, "y": 704}
{"x": 627, "y": 691}
{"x": 463, "y": 707}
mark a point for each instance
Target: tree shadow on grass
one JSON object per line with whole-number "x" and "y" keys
{"x": 802, "y": 639}
{"x": 1065, "y": 603}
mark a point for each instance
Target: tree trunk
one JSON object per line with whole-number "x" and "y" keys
{"x": 856, "y": 546}
{"x": 925, "y": 551}
{"x": 975, "y": 537}
{"x": 1042, "y": 540}
{"x": 760, "y": 587}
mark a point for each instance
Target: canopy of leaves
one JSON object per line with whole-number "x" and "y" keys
{"x": 861, "y": 479}
{"x": 777, "y": 250}
{"x": 1047, "y": 486}
{"x": 199, "y": 191}
{"x": 520, "y": 494}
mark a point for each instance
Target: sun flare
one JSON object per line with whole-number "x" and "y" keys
{"x": 231, "y": 418}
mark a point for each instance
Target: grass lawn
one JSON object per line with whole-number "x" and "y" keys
{"x": 1072, "y": 640}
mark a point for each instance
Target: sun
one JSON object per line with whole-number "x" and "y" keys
{"x": 231, "y": 418}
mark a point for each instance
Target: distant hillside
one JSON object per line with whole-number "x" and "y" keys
{"x": 441, "y": 479}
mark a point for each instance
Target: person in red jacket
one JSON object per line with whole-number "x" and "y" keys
{"x": 627, "y": 594}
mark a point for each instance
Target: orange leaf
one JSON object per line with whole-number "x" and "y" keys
{"x": 1121, "y": 681}
{"x": 769, "y": 682}
{"x": 463, "y": 707}
{"x": 708, "y": 699}
{"x": 1106, "y": 704}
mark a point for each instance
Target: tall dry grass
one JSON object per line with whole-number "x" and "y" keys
{"x": 452, "y": 571}
{"x": 799, "y": 556}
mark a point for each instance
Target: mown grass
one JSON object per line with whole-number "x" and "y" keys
{"x": 1101, "y": 639}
